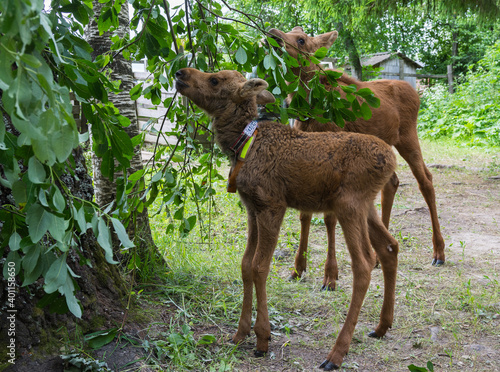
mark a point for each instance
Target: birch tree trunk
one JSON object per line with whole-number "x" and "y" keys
{"x": 105, "y": 190}
{"x": 102, "y": 289}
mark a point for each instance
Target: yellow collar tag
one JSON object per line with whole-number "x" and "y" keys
{"x": 245, "y": 148}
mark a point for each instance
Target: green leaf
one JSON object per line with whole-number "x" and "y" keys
{"x": 321, "y": 53}
{"x": 314, "y": 60}
{"x": 56, "y": 275}
{"x": 58, "y": 227}
{"x": 68, "y": 290}
{"x": 58, "y": 200}
{"x": 414, "y": 368}
{"x": 364, "y": 92}
{"x": 15, "y": 258}
{"x": 137, "y": 175}
{"x": 373, "y": 101}
{"x": 179, "y": 213}
{"x": 333, "y": 74}
{"x": 64, "y": 141}
{"x": 104, "y": 240}
{"x": 19, "y": 193}
{"x": 31, "y": 60}
{"x": 33, "y": 264}
{"x": 366, "y": 112}
{"x": 36, "y": 171}
{"x": 349, "y": 88}
{"x": 206, "y": 340}
{"x": 122, "y": 233}
{"x": 269, "y": 62}
{"x": 241, "y": 56}
{"x": 136, "y": 91}
{"x": 176, "y": 158}
{"x": 79, "y": 216}
{"x": 42, "y": 197}
{"x": 272, "y": 42}
{"x": 38, "y": 220}
{"x": 30, "y": 259}
{"x": 98, "y": 339}
{"x": 14, "y": 241}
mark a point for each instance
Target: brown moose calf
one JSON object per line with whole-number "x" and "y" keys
{"x": 395, "y": 122}
{"x": 276, "y": 167}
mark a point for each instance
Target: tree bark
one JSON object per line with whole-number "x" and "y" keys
{"x": 138, "y": 228}
{"x": 350, "y": 46}
{"x": 102, "y": 288}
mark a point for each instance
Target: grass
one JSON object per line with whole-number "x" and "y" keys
{"x": 448, "y": 316}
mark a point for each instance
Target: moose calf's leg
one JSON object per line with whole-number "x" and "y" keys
{"x": 413, "y": 155}
{"x": 300, "y": 256}
{"x": 245, "y": 325}
{"x": 331, "y": 268}
{"x": 356, "y": 235}
{"x": 387, "y": 249}
{"x": 387, "y": 200}
{"x": 268, "y": 225}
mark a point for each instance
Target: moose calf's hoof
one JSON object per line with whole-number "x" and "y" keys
{"x": 328, "y": 366}
{"x": 327, "y": 288}
{"x": 259, "y": 354}
{"x": 437, "y": 263}
{"x": 373, "y": 334}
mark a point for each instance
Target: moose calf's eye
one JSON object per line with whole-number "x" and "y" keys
{"x": 301, "y": 41}
{"x": 214, "y": 81}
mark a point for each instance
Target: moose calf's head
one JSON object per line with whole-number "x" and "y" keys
{"x": 297, "y": 41}
{"x": 217, "y": 92}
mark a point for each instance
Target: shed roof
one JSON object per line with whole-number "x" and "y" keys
{"x": 377, "y": 58}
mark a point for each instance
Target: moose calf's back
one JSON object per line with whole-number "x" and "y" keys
{"x": 314, "y": 171}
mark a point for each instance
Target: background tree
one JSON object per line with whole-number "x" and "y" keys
{"x": 434, "y": 33}
{"x": 120, "y": 71}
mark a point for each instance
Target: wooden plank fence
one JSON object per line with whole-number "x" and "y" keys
{"x": 150, "y": 117}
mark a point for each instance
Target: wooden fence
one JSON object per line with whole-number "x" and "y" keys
{"x": 401, "y": 74}
{"x": 150, "y": 117}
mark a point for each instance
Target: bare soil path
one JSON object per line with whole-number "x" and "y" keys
{"x": 448, "y": 315}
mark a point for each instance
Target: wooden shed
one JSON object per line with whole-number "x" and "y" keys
{"x": 390, "y": 64}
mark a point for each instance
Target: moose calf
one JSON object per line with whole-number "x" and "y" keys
{"x": 395, "y": 122}
{"x": 275, "y": 167}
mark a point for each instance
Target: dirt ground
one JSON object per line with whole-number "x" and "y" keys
{"x": 447, "y": 315}
{"x": 453, "y": 337}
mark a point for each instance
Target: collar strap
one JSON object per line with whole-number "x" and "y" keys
{"x": 241, "y": 148}
{"x": 244, "y": 137}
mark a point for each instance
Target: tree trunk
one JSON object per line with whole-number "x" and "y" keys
{"x": 102, "y": 289}
{"x": 350, "y": 46}
{"x": 138, "y": 228}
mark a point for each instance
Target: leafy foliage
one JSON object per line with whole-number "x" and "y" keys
{"x": 44, "y": 58}
{"x": 471, "y": 113}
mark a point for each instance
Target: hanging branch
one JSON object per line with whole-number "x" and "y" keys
{"x": 232, "y": 19}
{"x": 138, "y": 37}
{"x": 169, "y": 20}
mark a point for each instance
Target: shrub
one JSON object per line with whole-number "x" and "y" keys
{"x": 472, "y": 113}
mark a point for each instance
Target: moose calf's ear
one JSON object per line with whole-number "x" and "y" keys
{"x": 252, "y": 87}
{"x": 265, "y": 97}
{"x": 329, "y": 38}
